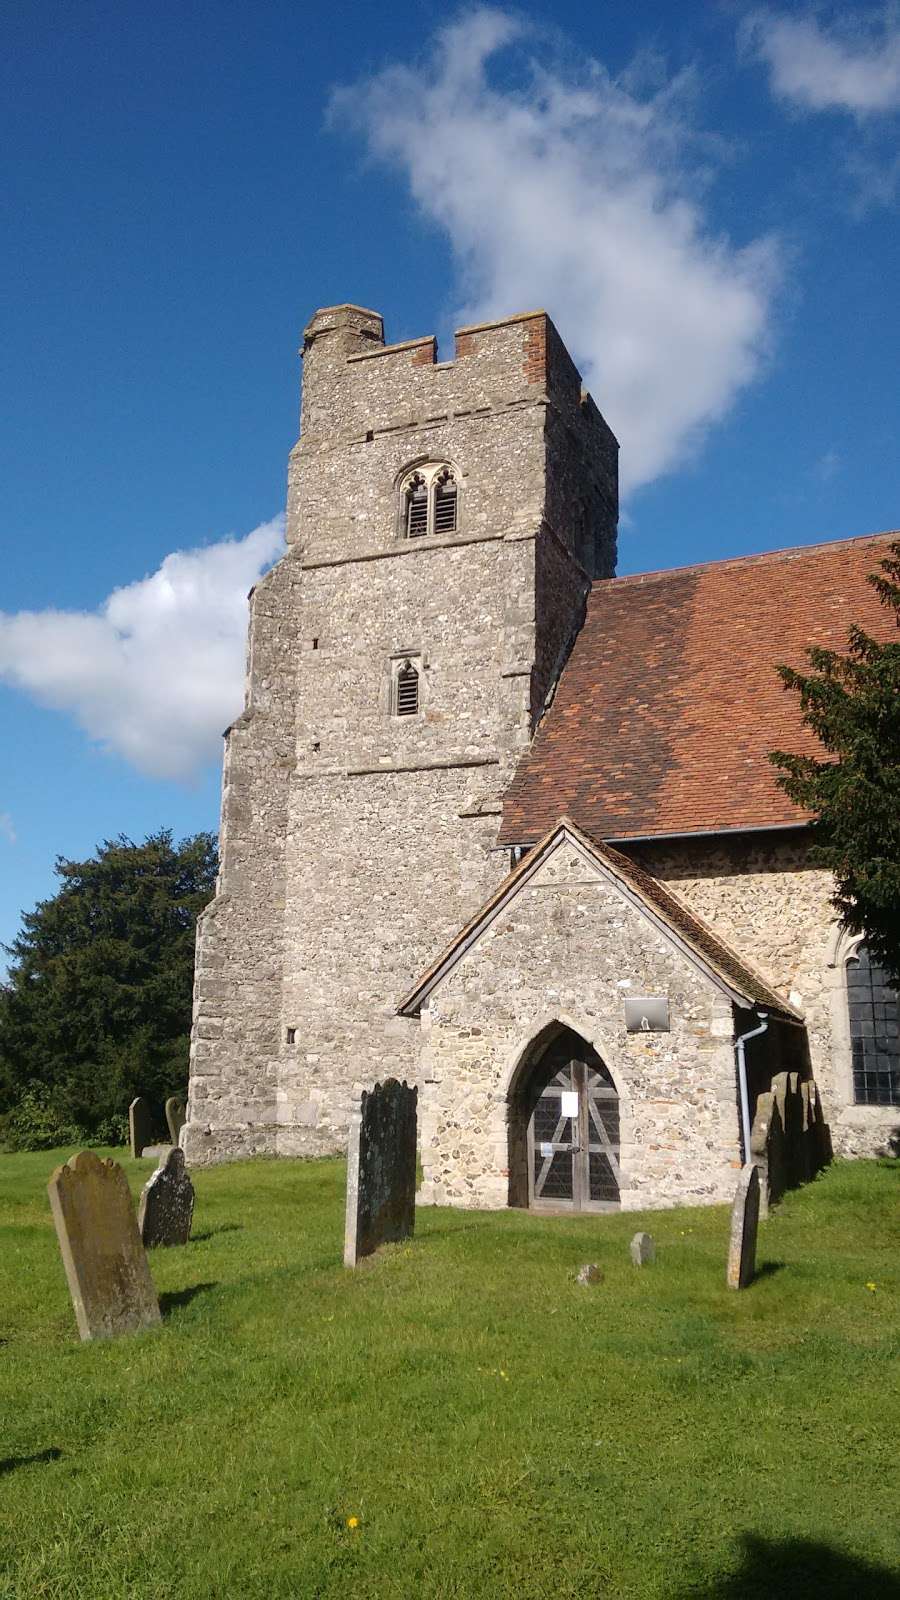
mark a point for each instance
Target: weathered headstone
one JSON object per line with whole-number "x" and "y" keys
{"x": 176, "y": 1113}
{"x": 109, "y": 1278}
{"x": 167, "y": 1202}
{"x": 588, "y": 1274}
{"x": 140, "y": 1126}
{"x": 381, "y": 1170}
{"x": 643, "y": 1250}
{"x": 744, "y": 1225}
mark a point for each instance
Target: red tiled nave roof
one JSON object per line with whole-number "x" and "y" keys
{"x": 670, "y": 703}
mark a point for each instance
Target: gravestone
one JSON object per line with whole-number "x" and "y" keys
{"x": 588, "y": 1274}
{"x": 643, "y": 1250}
{"x": 140, "y": 1126}
{"x": 744, "y": 1226}
{"x": 167, "y": 1202}
{"x": 381, "y": 1170}
{"x": 109, "y": 1278}
{"x": 176, "y": 1114}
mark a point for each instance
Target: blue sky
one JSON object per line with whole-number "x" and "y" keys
{"x": 705, "y": 199}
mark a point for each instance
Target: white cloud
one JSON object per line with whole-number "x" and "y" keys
{"x": 827, "y": 466}
{"x": 584, "y": 194}
{"x": 854, "y": 65}
{"x": 6, "y": 827}
{"x": 156, "y": 673}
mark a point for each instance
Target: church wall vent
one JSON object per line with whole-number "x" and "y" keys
{"x": 406, "y": 694}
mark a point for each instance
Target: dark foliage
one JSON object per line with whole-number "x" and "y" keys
{"x": 97, "y": 1006}
{"x": 852, "y": 702}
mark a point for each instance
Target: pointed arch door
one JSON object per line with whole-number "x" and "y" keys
{"x": 573, "y": 1130}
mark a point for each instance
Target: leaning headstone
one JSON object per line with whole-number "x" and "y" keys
{"x": 140, "y": 1126}
{"x": 176, "y": 1115}
{"x": 643, "y": 1250}
{"x": 588, "y": 1274}
{"x": 167, "y": 1202}
{"x": 381, "y": 1170}
{"x": 109, "y": 1278}
{"x": 744, "y": 1225}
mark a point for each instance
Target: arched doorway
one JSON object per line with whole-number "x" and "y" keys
{"x": 571, "y": 1109}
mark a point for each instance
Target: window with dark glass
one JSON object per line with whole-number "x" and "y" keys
{"x": 874, "y": 1010}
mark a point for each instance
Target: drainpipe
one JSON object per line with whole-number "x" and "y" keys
{"x": 739, "y": 1044}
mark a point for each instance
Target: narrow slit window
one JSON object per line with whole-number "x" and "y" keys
{"x": 407, "y": 698}
{"x": 417, "y": 509}
{"x": 445, "y": 504}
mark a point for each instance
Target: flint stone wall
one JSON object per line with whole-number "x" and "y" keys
{"x": 354, "y": 842}
{"x": 567, "y": 949}
{"x": 764, "y": 897}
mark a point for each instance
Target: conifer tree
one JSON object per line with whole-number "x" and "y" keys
{"x": 852, "y": 702}
{"x": 97, "y": 1005}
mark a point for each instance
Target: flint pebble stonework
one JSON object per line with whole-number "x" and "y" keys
{"x": 563, "y": 948}
{"x": 354, "y": 841}
{"x": 766, "y": 899}
{"x": 167, "y": 1202}
{"x": 381, "y": 1171}
{"x": 106, "y": 1267}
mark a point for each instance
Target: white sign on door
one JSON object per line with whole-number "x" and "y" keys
{"x": 569, "y": 1103}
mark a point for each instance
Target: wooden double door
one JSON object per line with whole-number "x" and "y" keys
{"x": 573, "y": 1130}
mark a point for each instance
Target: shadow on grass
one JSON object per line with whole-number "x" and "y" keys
{"x": 766, "y": 1269}
{"x": 210, "y": 1233}
{"x": 797, "y": 1569}
{"x": 52, "y": 1453}
{"x": 174, "y": 1298}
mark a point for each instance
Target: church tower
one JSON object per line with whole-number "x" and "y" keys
{"x": 445, "y": 520}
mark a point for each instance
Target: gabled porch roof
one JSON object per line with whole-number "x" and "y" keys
{"x": 724, "y": 968}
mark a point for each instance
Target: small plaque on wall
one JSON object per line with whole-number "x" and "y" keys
{"x": 647, "y": 1013}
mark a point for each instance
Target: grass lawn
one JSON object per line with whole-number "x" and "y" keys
{"x": 496, "y": 1429}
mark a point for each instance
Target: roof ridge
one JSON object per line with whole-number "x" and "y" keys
{"x": 681, "y": 923}
{"x": 784, "y": 553}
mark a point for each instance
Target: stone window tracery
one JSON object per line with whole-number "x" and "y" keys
{"x": 874, "y": 1013}
{"x": 429, "y": 501}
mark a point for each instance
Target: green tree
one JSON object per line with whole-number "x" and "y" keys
{"x": 852, "y": 702}
{"x": 97, "y": 1005}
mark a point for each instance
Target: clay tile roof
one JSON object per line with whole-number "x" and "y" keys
{"x": 670, "y": 703}
{"x": 721, "y": 963}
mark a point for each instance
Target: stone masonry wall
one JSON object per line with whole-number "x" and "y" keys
{"x": 569, "y": 947}
{"x": 762, "y": 895}
{"x": 356, "y": 841}
{"x": 237, "y": 976}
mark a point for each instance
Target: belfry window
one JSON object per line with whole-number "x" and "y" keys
{"x": 874, "y": 1012}
{"x": 406, "y": 690}
{"x": 445, "y": 503}
{"x": 416, "y": 507}
{"x": 429, "y": 501}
